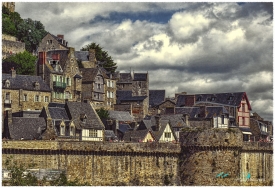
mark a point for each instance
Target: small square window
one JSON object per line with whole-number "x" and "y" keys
{"x": 36, "y": 98}
{"x": 46, "y": 99}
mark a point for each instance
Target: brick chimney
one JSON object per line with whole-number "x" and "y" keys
{"x": 13, "y": 72}
{"x": 60, "y": 36}
{"x": 157, "y": 117}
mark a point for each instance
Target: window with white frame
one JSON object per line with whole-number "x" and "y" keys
{"x": 62, "y": 130}
{"x": 36, "y": 98}
{"x": 46, "y": 99}
{"x": 92, "y": 133}
{"x": 25, "y": 97}
{"x": 167, "y": 135}
{"x": 112, "y": 84}
{"x": 108, "y": 83}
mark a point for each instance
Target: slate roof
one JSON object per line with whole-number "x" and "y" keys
{"x": 123, "y": 94}
{"x": 215, "y": 111}
{"x": 222, "y": 98}
{"x": 125, "y": 78}
{"x": 156, "y": 97}
{"x": 191, "y": 111}
{"x": 135, "y": 136}
{"x": 89, "y": 74}
{"x": 82, "y": 55}
{"x": 75, "y": 109}
{"x": 140, "y": 77}
{"x": 27, "y": 128}
{"x": 59, "y": 40}
{"x": 180, "y": 101}
{"x": 110, "y": 134}
{"x": 175, "y": 120}
{"x": 58, "y": 113}
{"x": 124, "y": 127}
{"x": 120, "y": 116}
{"x": 25, "y": 82}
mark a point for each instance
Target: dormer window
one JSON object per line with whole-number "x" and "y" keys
{"x": 83, "y": 118}
{"x": 7, "y": 83}
{"x": 36, "y": 86}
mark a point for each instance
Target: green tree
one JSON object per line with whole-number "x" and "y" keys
{"x": 19, "y": 177}
{"x": 25, "y": 62}
{"x": 10, "y": 21}
{"x": 102, "y": 113}
{"x": 31, "y": 33}
{"x": 102, "y": 56}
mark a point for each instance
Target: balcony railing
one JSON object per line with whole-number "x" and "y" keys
{"x": 59, "y": 84}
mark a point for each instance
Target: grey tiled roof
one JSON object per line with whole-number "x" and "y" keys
{"x": 125, "y": 78}
{"x": 175, "y": 120}
{"x": 82, "y": 55}
{"x": 221, "y": 98}
{"x": 215, "y": 110}
{"x": 123, "y": 95}
{"x": 120, "y": 116}
{"x": 25, "y": 82}
{"x": 191, "y": 111}
{"x": 53, "y": 104}
{"x": 124, "y": 127}
{"x": 110, "y": 134}
{"x": 75, "y": 110}
{"x": 89, "y": 74}
{"x": 156, "y": 97}
{"x": 180, "y": 101}
{"x": 58, "y": 113}
{"x": 140, "y": 76}
{"x": 27, "y": 128}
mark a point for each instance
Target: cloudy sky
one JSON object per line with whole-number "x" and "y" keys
{"x": 191, "y": 47}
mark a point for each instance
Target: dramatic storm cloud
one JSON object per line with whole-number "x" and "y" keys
{"x": 191, "y": 47}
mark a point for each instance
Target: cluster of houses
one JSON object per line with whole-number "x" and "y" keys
{"x": 60, "y": 103}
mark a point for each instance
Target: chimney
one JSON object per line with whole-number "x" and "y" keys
{"x": 92, "y": 57}
{"x": 42, "y": 58}
{"x": 202, "y": 111}
{"x": 157, "y": 117}
{"x": 60, "y": 36}
{"x": 13, "y": 72}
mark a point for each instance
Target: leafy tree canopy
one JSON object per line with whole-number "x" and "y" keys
{"x": 102, "y": 113}
{"x": 102, "y": 56}
{"x": 31, "y": 32}
{"x": 25, "y": 62}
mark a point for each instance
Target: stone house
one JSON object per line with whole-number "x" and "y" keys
{"x": 23, "y": 93}
{"x": 107, "y": 92}
{"x": 236, "y": 104}
{"x": 74, "y": 121}
{"x": 155, "y": 98}
{"x": 133, "y": 88}
{"x": 261, "y": 130}
{"x": 161, "y": 129}
{"x": 165, "y": 107}
{"x": 59, "y": 69}
{"x": 51, "y": 42}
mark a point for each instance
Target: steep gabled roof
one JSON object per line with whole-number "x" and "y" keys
{"x": 27, "y": 128}
{"x": 156, "y": 97}
{"x": 89, "y": 74}
{"x": 175, "y": 120}
{"x": 135, "y": 136}
{"x": 25, "y": 82}
{"x": 124, "y": 127}
{"x": 75, "y": 109}
{"x": 232, "y": 99}
{"x": 120, "y": 116}
{"x": 59, "y": 40}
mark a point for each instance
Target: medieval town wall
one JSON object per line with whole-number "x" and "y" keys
{"x": 199, "y": 158}
{"x": 11, "y": 46}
